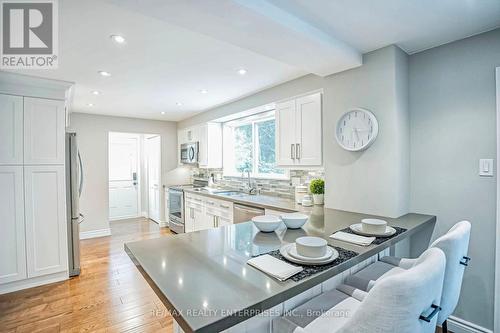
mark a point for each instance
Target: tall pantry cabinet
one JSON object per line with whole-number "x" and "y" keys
{"x": 33, "y": 231}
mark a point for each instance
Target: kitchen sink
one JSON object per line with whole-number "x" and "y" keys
{"x": 231, "y": 193}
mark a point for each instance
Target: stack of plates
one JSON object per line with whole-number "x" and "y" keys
{"x": 289, "y": 251}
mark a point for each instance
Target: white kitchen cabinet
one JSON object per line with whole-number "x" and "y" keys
{"x": 12, "y": 235}
{"x": 209, "y": 136}
{"x": 202, "y": 212}
{"x": 11, "y": 130}
{"x": 285, "y": 133}
{"x": 299, "y": 132}
{"x": 44, "y": 135}
{"x": 45, "y": 218}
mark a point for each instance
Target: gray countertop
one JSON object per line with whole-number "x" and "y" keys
{"x": 259, "y": 200}
{"x": 203, "y": 279}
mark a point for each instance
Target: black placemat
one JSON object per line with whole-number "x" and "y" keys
{"x": 378, "y": 240}
{"x": 311, "y": 270}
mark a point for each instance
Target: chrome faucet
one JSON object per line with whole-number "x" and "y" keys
{"x": 250, "y": 188}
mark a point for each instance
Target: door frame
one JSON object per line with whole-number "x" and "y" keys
{"x": 139, "y": 171}
{"x": 497, "y": 232}
{"x": 161, "y": 222}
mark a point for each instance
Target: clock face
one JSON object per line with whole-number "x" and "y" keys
{"x": 356, "y": 130}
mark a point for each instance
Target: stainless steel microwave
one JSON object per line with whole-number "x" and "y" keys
{"x": 189, "y": 153}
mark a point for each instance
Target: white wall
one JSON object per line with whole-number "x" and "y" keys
{"x": 375, "y": 181}
{"x": 453, "y": 119}
{"x": 92, "y": 131}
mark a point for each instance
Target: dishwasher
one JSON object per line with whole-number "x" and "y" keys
{"x": 244, "y": 213}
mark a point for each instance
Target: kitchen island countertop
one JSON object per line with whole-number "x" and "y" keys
{"x": 203, "y": 279}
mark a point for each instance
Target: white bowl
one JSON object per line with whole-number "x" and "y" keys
{"x": 294, "y": 220}
{"x": 312, "y": 247}
{"x": 374, "y": 226}
{"x": 266, "y": 223}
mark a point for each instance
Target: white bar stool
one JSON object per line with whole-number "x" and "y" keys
{"x": 404, "y": 301}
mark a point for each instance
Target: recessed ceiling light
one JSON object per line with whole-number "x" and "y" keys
{"x": 90, "y": 105}
{"x": 204, "y": 91}
{"x": 95, "y": 92}
{"x": 104, "y": 73}
{"x": 178, "y": 104}
{"x": 242, "y": 71}
{"x": 163, "y": 112}
{"x": 118, "y": 39}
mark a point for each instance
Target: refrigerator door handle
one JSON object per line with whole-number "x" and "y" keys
{"x": 80, "y": 187}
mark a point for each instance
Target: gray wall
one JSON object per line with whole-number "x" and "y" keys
{"x": 373, "y": 86}
{"x": 452, "y": 103}
{"x": 93, "y": 143}
{"x": 374, "y": 181}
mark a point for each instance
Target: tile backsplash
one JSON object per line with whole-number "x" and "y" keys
{"x": 281, "y": 188}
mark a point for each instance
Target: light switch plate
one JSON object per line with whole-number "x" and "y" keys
{"x": 486, "y": 167}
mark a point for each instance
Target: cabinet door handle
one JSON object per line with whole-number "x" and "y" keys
{"x": 297, "y": 146}
{"x": 222, "y": 206}
{"x": 292, "y": 151}
{"x": 217, "y": 221}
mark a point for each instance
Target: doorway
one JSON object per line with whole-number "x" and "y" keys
{"x": 153, "y": 153}
{"x": 134, "y": 161}
{"x": 124, "y": 194}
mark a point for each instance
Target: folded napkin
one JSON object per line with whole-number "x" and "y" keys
{"x": 276, "y": 268}
{"x": 351, "y": 238}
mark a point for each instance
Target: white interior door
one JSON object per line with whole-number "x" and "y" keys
{"x": 153, "y": 149}
{"x": 123, "y": 176}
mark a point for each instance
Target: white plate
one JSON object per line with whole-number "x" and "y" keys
{"x": 356, "y": 228}
{"x": 292, "y": 250}
{"x": 284, "y": 252}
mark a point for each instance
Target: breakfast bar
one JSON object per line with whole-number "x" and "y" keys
{"x": 206, "y": 284}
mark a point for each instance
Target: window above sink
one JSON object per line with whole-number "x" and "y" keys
{"x": 250, "y": 146}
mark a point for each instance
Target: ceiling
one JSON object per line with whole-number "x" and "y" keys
{"x": 176, "y": 48}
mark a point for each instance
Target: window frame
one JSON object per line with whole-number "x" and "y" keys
{"x": 253, "y": 120}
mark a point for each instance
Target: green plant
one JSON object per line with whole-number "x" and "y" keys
{"x": 317, "y": 186}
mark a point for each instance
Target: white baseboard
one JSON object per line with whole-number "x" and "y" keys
{"x": 95, "y": 233}
{"x": 458, "y": 325}
{"x": 33, "y": 282}
{"x": 163, "y": 224}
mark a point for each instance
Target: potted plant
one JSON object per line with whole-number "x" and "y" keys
{"x": 317, "y": 188}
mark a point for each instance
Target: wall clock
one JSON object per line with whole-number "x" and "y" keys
{"x": 356, "y": 130}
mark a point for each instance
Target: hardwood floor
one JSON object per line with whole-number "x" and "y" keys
{"x": 110, "y": 295}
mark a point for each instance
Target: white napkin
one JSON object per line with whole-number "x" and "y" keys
{"x": 351, "y": 238}
{"x": 276, "y": 268}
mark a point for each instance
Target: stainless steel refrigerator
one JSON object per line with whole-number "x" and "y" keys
{"x": 74, "y": 185}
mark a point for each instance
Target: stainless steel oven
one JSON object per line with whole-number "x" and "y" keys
{"x": 189, "y": 153}
{"x": 176, "y": 210}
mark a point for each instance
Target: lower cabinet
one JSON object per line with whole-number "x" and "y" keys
{"x": 33, "y": 239}
{"x": 12, "y": 235}
{"x": 45, "y": 218}
{"x": 206, "y": 213}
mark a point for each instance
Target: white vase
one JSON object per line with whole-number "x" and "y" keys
{"x": 319, "y": 199}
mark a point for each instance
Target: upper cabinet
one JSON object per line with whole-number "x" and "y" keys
{"x": 299, "y": 132}
{"x": 11, "y": 130}
{"x": 44, "y": 123}
{"x": 210, "y": 145}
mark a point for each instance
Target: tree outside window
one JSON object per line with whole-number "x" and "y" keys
{"x": 250, "y": 146}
